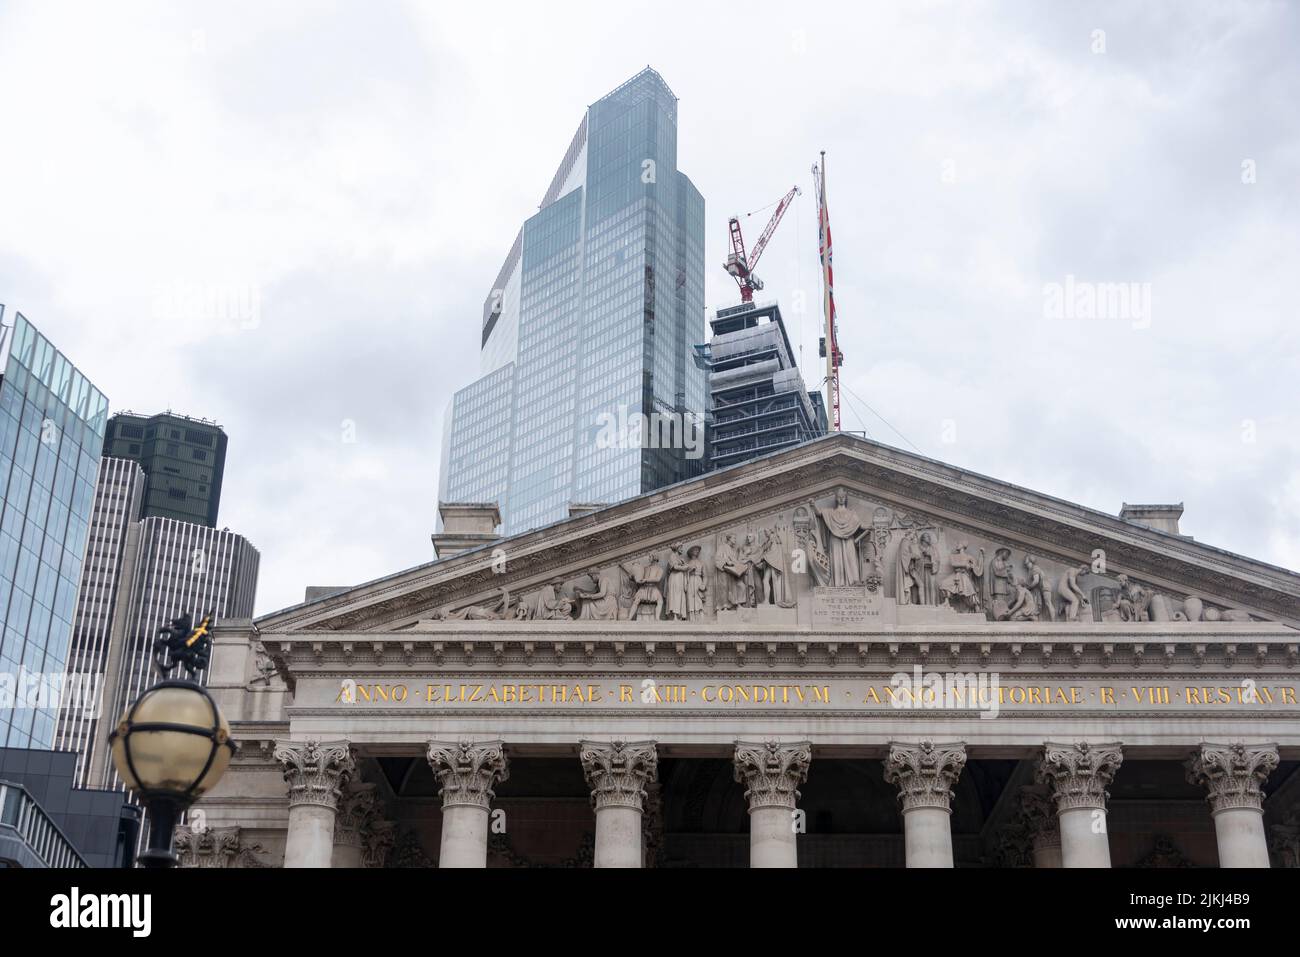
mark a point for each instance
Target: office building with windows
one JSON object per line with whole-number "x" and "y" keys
{"x": 183, "y": 458}
{"x": 165, "y": 569}
{"x": 119, "y": 495}
{"x": 52, "y": 422}
{"x": 757, "y": 397}
{"x": 589, "y": 329}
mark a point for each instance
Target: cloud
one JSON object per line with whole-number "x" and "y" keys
{"x": 286, "y": 218}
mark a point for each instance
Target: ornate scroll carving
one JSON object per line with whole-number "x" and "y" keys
{"x": 1039, "y": 813}
{"x": 377, "y": 840}
{"x": 1284, "y": 842}
{"x": 619, "y": 771}
{"x": 1164, "y": 853}
{"x": 1079, "y": 774}
{"x": 358, "y": 807}
{"x": 772, "y": 772}
{"x": 1233, "y": 774}
{"x": 316, "y": 772}
{"x": 215, "y": 847}
{"x": 466, "y": 771}
{"x": 925, "y": 773}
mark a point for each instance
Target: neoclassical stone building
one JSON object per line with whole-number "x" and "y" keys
{"x": 838, "y": 655}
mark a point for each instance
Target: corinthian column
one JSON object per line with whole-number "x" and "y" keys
{"x": 925, "y": 774}
{"x": 1234, "y": 775}
{"x": 1078, "y": 775}
{"x": 466, "y": 773}
{"x": 358, "y": 806}
{"x": 618, "y": 773}
{"x": 316, "y": 773}
{"x": 1039, "y": 812}
{"x": 772, "y": 773}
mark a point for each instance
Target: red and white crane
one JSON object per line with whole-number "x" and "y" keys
{"x": 740, "y": 265}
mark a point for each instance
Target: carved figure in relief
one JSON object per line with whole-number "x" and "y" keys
{"x": 675, "y": 591}
{"x": 503, "y": 608}
{"x": 552, "y": 604}
{"x": 751, "y": 554}
{"x": 648, "y": 577}
{"x": 601, "y": 602}
{"x": 1075, "y": 600}
{"x": 1022, "y": 607}
{"x": 776, "y": 587}
{"x": 697, "y": 584}
{"x": 909, "y": 561}
{"x": 1040, "y": 586}
{"x": 733, "y": 570}
{"x": 960, "y": 589}
{"x": 999, "y": 584}
{"x": 1133, "y": 600}
{"x": 844, "y": 528}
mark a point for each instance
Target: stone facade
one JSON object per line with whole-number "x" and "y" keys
{"x": 840, "y": 654}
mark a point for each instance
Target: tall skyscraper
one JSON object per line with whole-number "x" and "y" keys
{"x": 588, "y": 392}
{"x": 167, "y": 569}
{"x": 52, "y": 423}
{"x": 119, "y": 494}
{"x": 183, "y": 458}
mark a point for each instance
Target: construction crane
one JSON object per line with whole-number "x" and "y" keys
{"x": 741, "y": 266}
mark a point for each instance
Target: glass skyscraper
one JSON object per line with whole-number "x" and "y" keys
{"x": 51, "y": 432}
{"x": 590, "y": 325}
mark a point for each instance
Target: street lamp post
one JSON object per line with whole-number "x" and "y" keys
{"x": 173, "y": 743}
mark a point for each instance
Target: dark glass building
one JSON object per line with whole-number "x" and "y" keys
{"x": 183, "y": 460}
{"x": 52, "y": 423}
{"x": 589, "y": 329}
{"x": 758, "y": 399}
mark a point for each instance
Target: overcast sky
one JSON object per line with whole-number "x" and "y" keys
{"x": 345, "y": 179}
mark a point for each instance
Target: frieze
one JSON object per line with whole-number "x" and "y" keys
{"x": 1023, "y": 523}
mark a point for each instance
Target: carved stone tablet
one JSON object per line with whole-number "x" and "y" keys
{"x": 851, "y": 605}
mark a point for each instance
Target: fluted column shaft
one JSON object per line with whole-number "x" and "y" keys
{"x": 925, "y": 774}
{"x": 772, "y": 773}
{"x": 1234, "y": 776}
{"x": 1078, "y": 775}
{"x": 316, "y": 773}
{"x": 618, "y": 773}
{"x": 467, "y": 772}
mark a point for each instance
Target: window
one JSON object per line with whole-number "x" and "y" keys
{"x": 199, "y": 455}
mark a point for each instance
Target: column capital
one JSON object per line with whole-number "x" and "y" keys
{"x": 358, "y": 807}
{"x": 772, "y": 772}
{"x": 468, "y": 770}
{"x": 316, "y": 771}
{"x": 1038, "y": 810}
{"x": 618, "y": 771}
{"x": 925, "y": 773}
{"x": 1234, "y": 774}
{"x": 1079, "y": 773}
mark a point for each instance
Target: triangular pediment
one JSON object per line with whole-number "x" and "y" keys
{"x": 910, "y": 513}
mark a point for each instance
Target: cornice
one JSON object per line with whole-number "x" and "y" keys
{"x": 963, "y": 499}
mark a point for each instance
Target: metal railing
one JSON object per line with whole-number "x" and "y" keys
{"x": 22, "y": 816}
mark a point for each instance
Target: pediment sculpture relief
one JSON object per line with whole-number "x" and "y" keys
{"x": 779, "y": 568}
